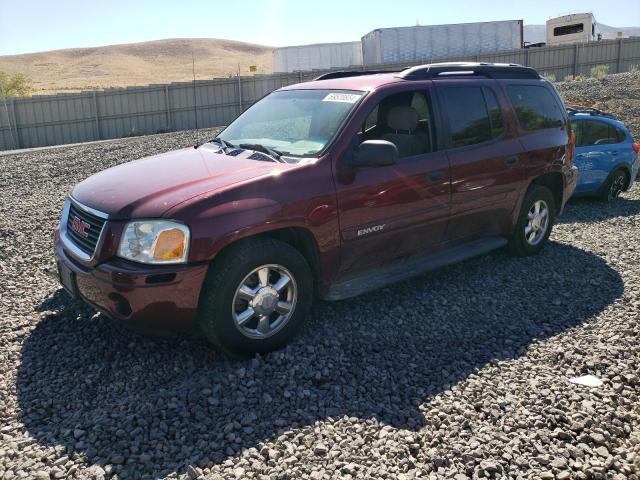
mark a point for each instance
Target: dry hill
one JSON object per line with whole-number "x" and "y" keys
{"x": 159, "y": 61}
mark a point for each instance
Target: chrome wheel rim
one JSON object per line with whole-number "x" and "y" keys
{"x": 537, "y": 222}
{"x": 264, "y": 301}
{"x": 616, "y": 187}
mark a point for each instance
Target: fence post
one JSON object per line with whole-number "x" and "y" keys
{"x": 167, "y": 106}
{"x": 95, "y": 113}
{"x": 575, "y": 60}
{"x": 619, "y": 64}
{"x": 15, "y": 123}
{"x": 239, "y": 92}
{"x": 526, "y": 57}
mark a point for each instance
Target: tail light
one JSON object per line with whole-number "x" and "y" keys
{"x": 636, "y": 147}
{"x": 572, "y": 146}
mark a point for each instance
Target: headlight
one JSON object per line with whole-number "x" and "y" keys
{"x": 154, "y": 241}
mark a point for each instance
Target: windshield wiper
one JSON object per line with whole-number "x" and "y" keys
{"x": 223, "y": 143}
{"x": 264, "y": 149}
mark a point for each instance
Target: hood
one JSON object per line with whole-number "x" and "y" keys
{"x": 150, "y": 186}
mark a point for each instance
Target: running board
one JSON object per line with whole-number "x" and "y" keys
{"x": 410, "y": 268}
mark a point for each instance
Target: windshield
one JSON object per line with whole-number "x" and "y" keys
{"x": 293, "y": 122}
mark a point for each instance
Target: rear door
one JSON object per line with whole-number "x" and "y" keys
{"x": 398, "y": 210}
{"x": 484, "y": 153}
{"x": 599, "y": 150}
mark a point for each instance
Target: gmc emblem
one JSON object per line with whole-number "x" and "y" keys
{"x": 80, "y": 226}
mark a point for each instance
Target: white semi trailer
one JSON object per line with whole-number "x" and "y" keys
{"x": 317, "y": 56}
{"x": 574, "y": 28}
{"x": 433, "y": 42}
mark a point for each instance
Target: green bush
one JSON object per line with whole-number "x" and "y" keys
{"x": 17, "y": 85}
{"x": 600, "y": 71}
{"x": 549, "y": 76}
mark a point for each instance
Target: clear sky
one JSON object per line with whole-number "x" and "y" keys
{"x": 37, "y": 25}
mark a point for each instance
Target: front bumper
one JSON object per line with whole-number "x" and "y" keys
{"x": 146, "y": 296}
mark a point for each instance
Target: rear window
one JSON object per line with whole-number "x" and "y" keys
{"x": 474, "y": 115}
{"x": 535, "y": 107}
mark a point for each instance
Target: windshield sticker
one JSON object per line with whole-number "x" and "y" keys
{"x": 342, "y": 97}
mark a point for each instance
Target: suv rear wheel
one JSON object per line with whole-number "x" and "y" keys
{"x": 534, "y": 223}
{"x": 614, "y": 186}
{"x": 256, "y": 297}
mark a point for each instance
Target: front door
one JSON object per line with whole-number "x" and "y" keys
{"x": 399, "y": 210}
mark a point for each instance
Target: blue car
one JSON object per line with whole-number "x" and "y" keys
{"x": 606, "y": 155}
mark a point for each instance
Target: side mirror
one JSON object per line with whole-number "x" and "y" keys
{"x": 375, "y": 153}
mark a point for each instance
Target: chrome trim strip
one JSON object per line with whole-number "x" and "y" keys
{"x": 90, "y": 210}
{"x": 68, "y": 244}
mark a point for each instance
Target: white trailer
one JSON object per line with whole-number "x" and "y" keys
{"x": 317, "y": 56}
{"x": 433, "y": 42}
{"x": 574, "y": 28}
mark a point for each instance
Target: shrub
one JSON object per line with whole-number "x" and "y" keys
{"x": 600, "y": 71}
{"x": 633, "y": 68}
{"x": 14, "y": 85}
{"x": 549, "y": 76}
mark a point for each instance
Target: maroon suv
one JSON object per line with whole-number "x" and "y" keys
{"x": 331, "y": 188}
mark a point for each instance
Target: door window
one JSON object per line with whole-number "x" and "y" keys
{"x": 404, "y": 119}
{"x": 474, "y": 115}
{"x": 535, "y": 107}
{"x": 593, "y": 132}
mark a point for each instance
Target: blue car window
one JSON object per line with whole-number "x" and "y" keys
{"x": 593, "y": 132}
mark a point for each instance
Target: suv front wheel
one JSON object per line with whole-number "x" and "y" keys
{"x": 256, "y": 297}
{"x": 534, "y": 223}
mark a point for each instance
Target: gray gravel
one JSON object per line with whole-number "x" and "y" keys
{"x": 461, "y": 373}
{"x": 618, "y": 94}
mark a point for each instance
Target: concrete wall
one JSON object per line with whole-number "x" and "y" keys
{"x": 115, "y": 113}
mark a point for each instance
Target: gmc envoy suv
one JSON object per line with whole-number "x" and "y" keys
{"x": 330, "y": 188}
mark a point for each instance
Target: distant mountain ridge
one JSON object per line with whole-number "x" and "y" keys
{"x": 158, "y": 61}
{"x": 537, "y": 33}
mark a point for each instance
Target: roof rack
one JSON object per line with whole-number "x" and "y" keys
{"x": 351, "y": 73}
{"x": 490, "y": 70}
{"x": 589, "y": 111}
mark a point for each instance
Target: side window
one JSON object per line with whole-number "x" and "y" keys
{"x": 371, "y": 121}
{"x": 576, "y": 126}
{"x": 535, "y": 107}
{"x": 495, "y": 115}
{"x": 599, "y": 133}
{"x": 404, "y": 119}
{"x": 617, "y": 134}
{"x": 474, "y": 115}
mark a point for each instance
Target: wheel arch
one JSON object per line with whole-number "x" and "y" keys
{"x": 554, "y": 181}
{"x": 300, "y": 238}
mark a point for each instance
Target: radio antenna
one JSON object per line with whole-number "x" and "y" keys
{"x": 195, "y": 105}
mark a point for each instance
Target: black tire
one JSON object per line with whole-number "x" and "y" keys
{"x": 215, "y": 315}
{"x": 613, "y": 186}
{"x": 518, "y": 243}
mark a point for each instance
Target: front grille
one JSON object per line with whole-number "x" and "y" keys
{"x": 86, "y": 244}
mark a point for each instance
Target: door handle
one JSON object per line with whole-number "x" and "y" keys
{"x": 435, "y": 176}
{"x": 511, "y": 160}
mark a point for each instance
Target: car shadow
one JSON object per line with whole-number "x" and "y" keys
{"x": 149, "y": 406}
{"x": 592, "y": 210}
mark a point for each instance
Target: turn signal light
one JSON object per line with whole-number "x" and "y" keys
{"x": 636, "y": 147}
{"x": 170, "y": 244}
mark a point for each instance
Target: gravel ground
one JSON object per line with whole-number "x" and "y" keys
{"x": 618, "y": 94}
{"x": 461, "y": 373}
